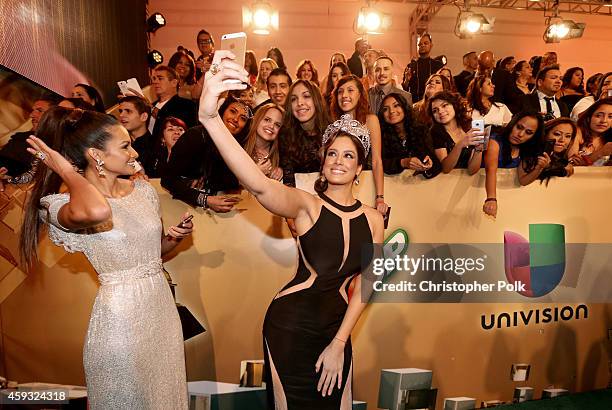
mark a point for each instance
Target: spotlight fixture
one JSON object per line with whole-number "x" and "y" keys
{"x": 154, "y": 58}
{"x": 371, "y": 21}
{"x": 469, "y": 24}
{"x": 562, "y": 30}
{"x": 155, "y": 22}
{"x": 260, "y": 18}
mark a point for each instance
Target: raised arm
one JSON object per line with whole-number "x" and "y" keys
{"x": 87, "y": 206}
{"x": 274, "y": 196}
{"x": 377, "y": 163}
{"x": 491, "y": 163}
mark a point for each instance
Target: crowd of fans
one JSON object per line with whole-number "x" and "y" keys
{"x": 544, "y": 121}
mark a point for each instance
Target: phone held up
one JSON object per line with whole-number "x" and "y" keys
{"x": 236, "y": 43}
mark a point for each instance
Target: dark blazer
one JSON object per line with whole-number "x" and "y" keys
{"x": 462, "y": 81}
{"x": 504, "y": 83}
{"x": 177, "y": 107}
{"x": 532, "y": 103}
{"x": 354, "y": 64}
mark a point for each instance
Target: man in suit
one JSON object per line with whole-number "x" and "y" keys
{"x": 542, "y": 99}
{"x": 165, "y": 86}
{"x": 470, "y": 64}
{"x": 357, "y": 62}
{"x": 420, "y": 69}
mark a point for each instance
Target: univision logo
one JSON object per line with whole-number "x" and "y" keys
{"x": 539, "y": 262}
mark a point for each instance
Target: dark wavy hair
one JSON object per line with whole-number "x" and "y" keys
{"x": 550, "y": 125}
{"x": 321, "y": 184}
{"x": 474, "y": 94}
{"x": 253, "y": 68}
{"x": 241, "y": 136}
{"x": 584, "y": 120}
{"x": 329, "y": 85}
{"x": 71, "y": 132}
{"x": 567, "y": 79}
{"x": 530, "y": 149}
{"x": 417, "y": 134}
{"x": 281, "y": 60}
{"x": 295, "y": 145}
{"x": 362, "y": 110}
{"x": 176, "y": 58}
{"x": 518, "y": 67}
{"x": 79, "y": 103}
{"x": 462, "y": 111}
{"x": 421, "y": 106}
{"x": 94, "y": 95}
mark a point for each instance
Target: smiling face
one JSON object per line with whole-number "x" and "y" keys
{"x": 341, "y": 162}
{"x": 601, "y": 120}
{"x": 562, "y": 135}
{"x": 523, "y": 130}
{"x": 205, "y": 44}
{"x": 433, "y": 85}
{"x": 235, "y": 117}
{"x": 305, "y": 72}
{"x": 265, "y": 68}
{"x": 183, "y": 67}
{"x": 383, "y": 70}
{"x": 393, "y": 113}
{"x": 302, "y": 104}
{"x": 268, "y": 127}
{"x": 118, "y": 155}
{"x": 278, "y": 88}
{"x": 442, "y": 111}
{"x": 348, "y": 96}
{"x": 171, "y": 134}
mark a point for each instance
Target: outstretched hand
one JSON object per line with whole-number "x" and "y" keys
{"x": 224, "y": 75}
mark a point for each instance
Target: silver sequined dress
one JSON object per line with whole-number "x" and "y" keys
{"x": 133, "y": 355}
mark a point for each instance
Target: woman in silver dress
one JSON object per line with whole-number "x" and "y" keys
{"x": 133, "y": 354}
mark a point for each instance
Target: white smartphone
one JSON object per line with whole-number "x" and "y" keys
{"x": 132, "y": 83}
{"x": 236, "y": 43}
{"x": 478, "y": 124}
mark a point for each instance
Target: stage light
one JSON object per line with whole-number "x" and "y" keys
{"x": 154, "y": 58}
{"x": 563, "y": 30}
{"x": 469, "y": 24}
{"x": 372, "y": 21}
{"x": 155, "y": 22}
{"x": 261, "y": 18}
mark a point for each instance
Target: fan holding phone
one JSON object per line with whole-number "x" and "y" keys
{"x": 307, "y": 329}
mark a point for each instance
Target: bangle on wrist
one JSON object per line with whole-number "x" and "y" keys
{"x": 491, "y": 200}
{"x": 380, "y": 196}
{"x": 203, "y": 200}
{"x": 340, "y": 340}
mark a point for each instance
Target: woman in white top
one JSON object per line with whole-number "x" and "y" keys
{"x": 266, "y": 65}
{"x": 479, "y": 96}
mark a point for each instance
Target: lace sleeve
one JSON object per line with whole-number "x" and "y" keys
{"x": 59, "y": 235}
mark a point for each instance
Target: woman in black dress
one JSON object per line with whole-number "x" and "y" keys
{"x": 307, "y": 327}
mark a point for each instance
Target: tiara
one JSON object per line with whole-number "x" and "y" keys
{"x": 348, "y": 125}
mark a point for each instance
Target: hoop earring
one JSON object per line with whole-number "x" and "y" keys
{"x": 99, "y": 165}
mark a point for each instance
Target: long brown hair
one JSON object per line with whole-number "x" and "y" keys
{"x": 361, "y": 110}
{"x": 295, "y": 142}
{"x": 584, "y": 120}
{"x": 474, "y": 94}
{"x": 315, "y": 73}
{"x": 251, "y": 139}
{"x": 71, "y": 133}
{"x": 462, "y": 114}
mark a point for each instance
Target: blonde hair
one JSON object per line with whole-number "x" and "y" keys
{"x": 260, "y": 84}
{"x": 251, "y": 139}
